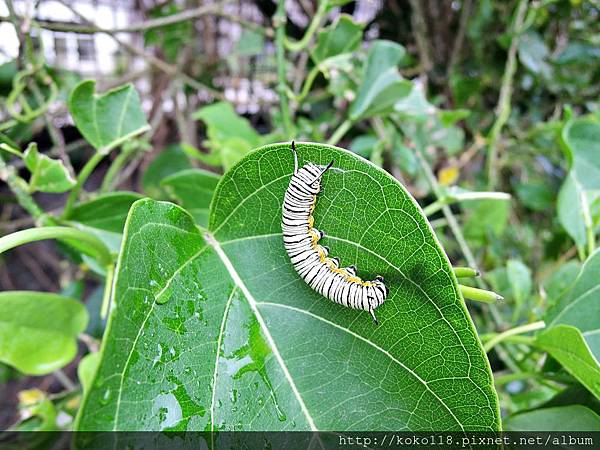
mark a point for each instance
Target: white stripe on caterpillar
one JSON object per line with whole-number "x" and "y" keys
{"x": 311, "y": 260}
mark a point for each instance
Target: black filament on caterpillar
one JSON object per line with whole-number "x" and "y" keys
{"x": 311, "y": 260}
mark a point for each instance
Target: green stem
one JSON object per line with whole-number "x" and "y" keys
{"x": 512, "y": 332}
{"x": 114, "y": 169}
{"x": 340, "y": 132}
{"x": 81, "y": 178}
{"x": 434, "y": 207}
{"x": 312, "y": 27}
{"x": 110, "y": 272}
{"x": 452, "y": 198}
{"x": 479, "y": 295}
{"x": 279, "y": 21}
{"x": 8, "y": 124}
{"x": 587, "y": 220}
{"x": 505, "y": 379}
{"x": 465, "y": 272}
{"x": 308, "y": 82}
{"x": 76, "y": 237}
{"x": 20, "y": 188}
{"x": 503, "y": 107}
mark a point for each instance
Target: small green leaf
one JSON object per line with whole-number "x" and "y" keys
{"x": 415, "y": 105}
{"x": 230, "y": 136}
{"x": 557, "y": 283}
{"x": 170, "y": 160}
{"x": 105, "y": 212}
{"x": 104, "y": 217}
{"x": 519, "y": 277}
{"x": 561, "y": 418}
{"x": 38, "y": 330}
{"x": 343, "y": 36}
{"x": 193, "y": 189}
{"x": 536, "y": 195}
{"x": 381, "y": 86}
{"x": 47, "y": 174}
{"x": 580, "y": 305}
{"x": 364, "y": 144}
{"x": 107, "y": 120}
{"x": 86, "y": 370}
{"x": 566, "y": 344}
{"x": 533, "y": 54}
{"x": 215, "y": 330}
{"x": 486, "y": 219}
{"x": 222, "y": 122}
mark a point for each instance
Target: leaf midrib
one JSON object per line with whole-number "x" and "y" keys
{"x": 351, "y": 332}
{"x": 267, "y": 333}
{"x": 375, "y": 346}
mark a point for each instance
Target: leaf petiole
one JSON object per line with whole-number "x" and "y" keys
{"x": 496, "y": 339}
{"x": 85, "y": 242}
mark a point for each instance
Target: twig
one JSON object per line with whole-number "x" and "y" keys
{"x": 266, "y": 31}
{"x": 32, "y": 264}
{"x": 64, "y": 380}
{"x": 504, "y": 100}
{"x": 312, "y": 28}
{"x": 460, "y": 36}
{"x": 339, "y": 133}
{"x": 183, "y": 16}
{"x": 56, "y": 136}
{"x": 19, "y": 187}
{"x": 151, "y": 59}
{"x": 91, "y": 343}
{"x": 420, "y": 29}
{"x": 279, "y": 21}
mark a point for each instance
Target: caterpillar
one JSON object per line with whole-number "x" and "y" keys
{"x": 311, "y": 260}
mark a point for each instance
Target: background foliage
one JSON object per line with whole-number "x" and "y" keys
{"x": 486, "y": 112}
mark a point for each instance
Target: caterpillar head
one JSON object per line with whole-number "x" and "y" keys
{"x": 378, "y": 283}
{"x": 311, "y": 174}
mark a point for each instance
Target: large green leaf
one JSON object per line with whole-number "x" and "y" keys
{"x": 580, "y": 305}
{"x": 343, "y": 36}
{"x": 562, "y": 418}
{"x": 104, "y": 216}
{"x": 215, "y": 330}
{"x": 105, "y": 212}
{"x": 170, "y": 160}
{"x": 381, "y": 85}
{"x": 38, "y": 330}
{"x": 566, "y": 344}
{"x": 230, "y": 136}
{"x": 107, "y": 120}
{"x": 193, "y": 189}
{"x": 581, "y": 189}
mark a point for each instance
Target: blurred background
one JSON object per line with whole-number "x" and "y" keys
{"x": 492, "y": 81}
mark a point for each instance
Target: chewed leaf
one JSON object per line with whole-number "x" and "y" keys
{"x": 107, "y": 120}
{"x": 47, "y": 174}
{"x": 214, "y": 330}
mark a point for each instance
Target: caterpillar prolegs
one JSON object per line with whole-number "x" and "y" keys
{"x": 311, "y": 260}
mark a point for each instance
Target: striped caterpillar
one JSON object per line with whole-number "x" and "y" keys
{"x": 310, "y": 259}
